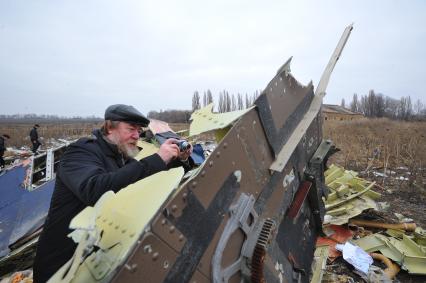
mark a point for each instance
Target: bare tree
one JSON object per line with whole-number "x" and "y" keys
{"x": 247, "y": 101}
{"x": 196, "y": 101}
{"x": 233, "y": 103}
{"x": 209, "y": 97}
{"x": 391, "y": 107}
{"x": 240, "y": 101}
{"x": 405, "y": 109}
{"x": 355, "y": 104}
{"x": 204, "y": 99}
{"x": 343, "y": 103}
{"x": 220, "y": 107}
{"x": 418, "y": 107}
{"x": 379, "y": 109}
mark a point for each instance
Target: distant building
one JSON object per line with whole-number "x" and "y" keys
{"x": 339, "y": 113}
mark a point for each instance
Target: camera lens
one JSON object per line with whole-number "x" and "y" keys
{"x": 184, "y": 145}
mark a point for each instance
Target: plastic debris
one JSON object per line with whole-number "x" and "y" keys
{"x": 356, "y": 256}
{"x": 335, "y": 234}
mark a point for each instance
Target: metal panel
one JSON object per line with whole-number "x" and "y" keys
{"x": 281, "y": 107}
{"x": 150, "y": 262}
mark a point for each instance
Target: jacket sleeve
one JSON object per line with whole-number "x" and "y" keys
{"x": 84, "y": 173}
{"x": 187, "y": 165}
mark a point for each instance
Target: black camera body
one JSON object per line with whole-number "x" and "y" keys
{"x": 183, "y": 145}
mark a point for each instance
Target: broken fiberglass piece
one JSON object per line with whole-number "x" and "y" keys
{"x": 349, "y": 195}
{"x": 121, "y": 217}
{"x": 320, "y": 261}
{"x": 204, "y": 120}
{"x": 147, "y": 149}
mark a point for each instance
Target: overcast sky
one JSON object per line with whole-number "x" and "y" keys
{"x": 77, "y": 57}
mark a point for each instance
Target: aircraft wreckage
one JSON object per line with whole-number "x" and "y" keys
{"x": 251, "y": 212}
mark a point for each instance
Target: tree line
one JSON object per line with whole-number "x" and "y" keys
{"x": 226, "y": 102}
{"x": 377, "y": 105}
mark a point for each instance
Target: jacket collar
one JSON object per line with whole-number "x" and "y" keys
{"x": 108, "y": 148}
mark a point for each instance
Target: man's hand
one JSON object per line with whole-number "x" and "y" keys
{"x": 169, "y": 150}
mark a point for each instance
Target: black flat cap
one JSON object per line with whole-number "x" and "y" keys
{"x": 125, "y": 113}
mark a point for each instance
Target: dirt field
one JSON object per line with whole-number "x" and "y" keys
{"x": 19, "y": 132}
{"x": 392, "y": 153}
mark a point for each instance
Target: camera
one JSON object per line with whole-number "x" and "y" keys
{"x": 183, "y": 145}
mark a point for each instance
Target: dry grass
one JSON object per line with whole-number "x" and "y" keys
{"x": 380, "y": 144}
{"x": 366, "y": 144}
{"x": 20, "y": 132}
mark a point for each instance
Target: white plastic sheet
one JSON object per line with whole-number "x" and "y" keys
{"x": 355, "y": 256}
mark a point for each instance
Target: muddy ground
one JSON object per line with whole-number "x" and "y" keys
{"x": 405, "y": 201}
{"x": 403, "y": 198}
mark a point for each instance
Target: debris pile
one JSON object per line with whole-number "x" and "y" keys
{"x": 349, "y": 195}
{"x": 373, "y": 249}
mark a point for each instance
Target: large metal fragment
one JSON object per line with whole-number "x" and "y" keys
{"x": 284, "y": 143}
{"x": 231, "y": 221}
{"x": 26, "y": 189}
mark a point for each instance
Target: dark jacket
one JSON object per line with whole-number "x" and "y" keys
{"x": 2, "y": 147}
{"x": 89, "y": 168}
{"x": 33, "y": 134}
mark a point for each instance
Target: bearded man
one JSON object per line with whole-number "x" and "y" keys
{"x": 89, "y": 168}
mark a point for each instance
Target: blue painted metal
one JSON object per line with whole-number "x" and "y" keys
{"x": 21, "y": 211}
{"x": 198, "y": 154}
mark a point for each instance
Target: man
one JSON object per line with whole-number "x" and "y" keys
{"x": 89, "y": 168}
{"x": 34, "y": 138}
{"x": 2, "y": 149}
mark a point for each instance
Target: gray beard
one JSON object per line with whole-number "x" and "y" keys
{"x": 122, "y": 148}
{"x": 128, "y": 152}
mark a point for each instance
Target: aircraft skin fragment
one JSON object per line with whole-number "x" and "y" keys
{"x": 200, "y": 209}
{"x": 115, "y": 223}
{"x": 281, "y": 106}
{"x": 349, "y": 195}
{"x": 321, "y": 255}
{"x": 406, "y": 252}
{"x": 147, "y": 149}
{"x": 314, "y": 108}
{"x": 204, "y": 120}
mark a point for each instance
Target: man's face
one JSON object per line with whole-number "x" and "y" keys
{"x": 126, "y": 136}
